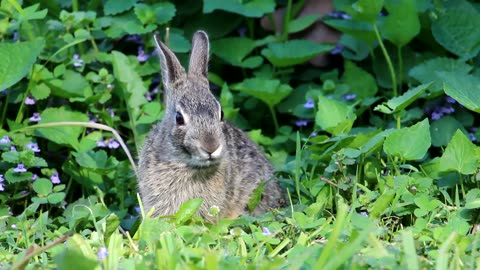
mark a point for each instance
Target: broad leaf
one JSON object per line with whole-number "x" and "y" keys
{"x": 361, "y": 82}
{"x": 428, "y": 71}
{"x": 112, "y": 7}
{"x": 269, "y": 91}
{"x": 367, "y": 10}
{"x": 67, "y": 135}
{"x": 334, "y": 116}
{"x": 234, "y": 49}
{"x": 410, "y": 143}
{"x": 187, "y": 210}
{"x": 397, "y": 104}
{"x": 358, "y": 29}
{"x": 293, "y": 52}
{"x": 464, "y": 88}
{"x": 443, "y": 129}
{"x": 460, "y": 155}
{"x": 253, "y": 8}
{"x": 457, "y": 31}
{"x": 302, "y": 23}
{"x": 402, "y": 23}
{"x": 17, "y": 60}
{"x": 42, "y": 186}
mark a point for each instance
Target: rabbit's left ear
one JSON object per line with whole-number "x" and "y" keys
{"x": 198, "y": 65}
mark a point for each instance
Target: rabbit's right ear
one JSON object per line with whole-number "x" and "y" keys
{"x": 171, "y": 68}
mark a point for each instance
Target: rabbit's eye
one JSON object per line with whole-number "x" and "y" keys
{"x": 179, "y": 118}
{"x": 221, "y": 115}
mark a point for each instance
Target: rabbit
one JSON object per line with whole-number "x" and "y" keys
{"x": 194, "y": 153}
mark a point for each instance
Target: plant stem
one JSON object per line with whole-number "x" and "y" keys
{"x": 387, "y": 58}
{"x": 274, "y": 116}
{"x": 4, "y": 111}
{"x": 400, "y": 69}
{"x": 286, "y": 21}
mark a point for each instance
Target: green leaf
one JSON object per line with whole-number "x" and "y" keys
{"x": 269, "y": 91}
{"x": 133, "y": 85}
{"x": 361, "y": 82}
{"x": 443, "y": 129}
{"x": 253, "y": 8}
{"x": 301, "y": 23}
{"x": 256, "y": 197}
{"x": 293, "y": 52}
{"x": 429, "y": 71}
{"x": 402, "y": 23}
{"x": 233, "y": 50}
{"x": 460, "y": 155}
{"x": 472, "y": 200}
{"x": 55, "y": 198}
{"x": 13, "y": 177}
{"x": 73, "y": 85}
{"x": 409, "y": 143}
{"x": 464, "y": 88}
{"x": 358, "y": 29}
{"x": 457, "y": 31}
{"x": 127, "y": 24}
{"x": 367, "y": 10}
{"x": 178, "y": 43}
{"x": 397, "y": 104}
{"x": 382, "y": 203}
{"x": 17, "y": 60}
{"x": 113, "y": 7}
{"x": 333, "y": 116}
{"x": 42, "y": 186}
{"x": 67, "y": 135}
{"x": 72, "y": 255}
{"x": 11, "y": 156}
{"x": 40, "y": 91}
{"x": 95, "y": 160}
{"x": 159, "y": 13}
{"x": 187, "y": 210}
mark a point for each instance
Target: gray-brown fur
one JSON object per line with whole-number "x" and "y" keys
{"x": 204, "y": 157}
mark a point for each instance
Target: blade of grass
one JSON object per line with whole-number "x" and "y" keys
{"x": 442, "y": 258}
{"x": 411, "y": 260}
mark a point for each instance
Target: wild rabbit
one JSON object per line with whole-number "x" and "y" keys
{"x": 194, "y": 153}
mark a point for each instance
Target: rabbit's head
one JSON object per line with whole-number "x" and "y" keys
{"x": 193, "y": 116}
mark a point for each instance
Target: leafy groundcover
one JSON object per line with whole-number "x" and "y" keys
{"x": 377, "y": 151}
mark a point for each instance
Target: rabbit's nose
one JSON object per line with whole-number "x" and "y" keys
{"x": 213, "y": 149}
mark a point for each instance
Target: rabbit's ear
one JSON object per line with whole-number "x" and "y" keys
{"x": 198, "y": 65}
{"x": 171, "y": 68}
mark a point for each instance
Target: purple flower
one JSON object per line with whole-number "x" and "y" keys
{"x": 436, "y": 115}
{"x": 5, "y": 140}
{"x": 112, "y": 144}
{"x": 363, "y": 213}
{"x": 29, "y": 100}
{"x": 472, "y": 136}
{"x": 137, "y": 209}
{"x": 313, "y": 134}
{"x": 20, "y": 168}
{"x": 34, "y": 177}
{"x": 101, "y": 144}
{"x": 110, "y": 86}
{"x": 337, "y": 50}
{"x": 134, "y": 38}
{"x": 339, "y": 15}
{"x": 14, "y": 226}
{"x": 309, "y": 104}
{"x": 2, "y": 186}
{"x": 35, "y": 117}
{"x": 13, "y": 148}
{"x": 34, "y": 147}
{"x": 349, "y": 96}
{"x": 301, "y": 123}
{"x": 242, "y": 31}
{"x": 55, "y": 178}
{"x": 15, "y": 36}
{"x": 450, "y": 100}
{"x": 111, "y": 111}
{"x": 102, "y": 253}
{"x": 266, "y": 231}
{"x": 77, "y": 62}
{"x": 148, "y": 96}
{"x": 142, "y": 56}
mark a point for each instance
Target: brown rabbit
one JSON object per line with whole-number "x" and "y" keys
{"x": 194, "y": 153}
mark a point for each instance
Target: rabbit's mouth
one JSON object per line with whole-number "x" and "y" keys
{"x": 200, "y": 163}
